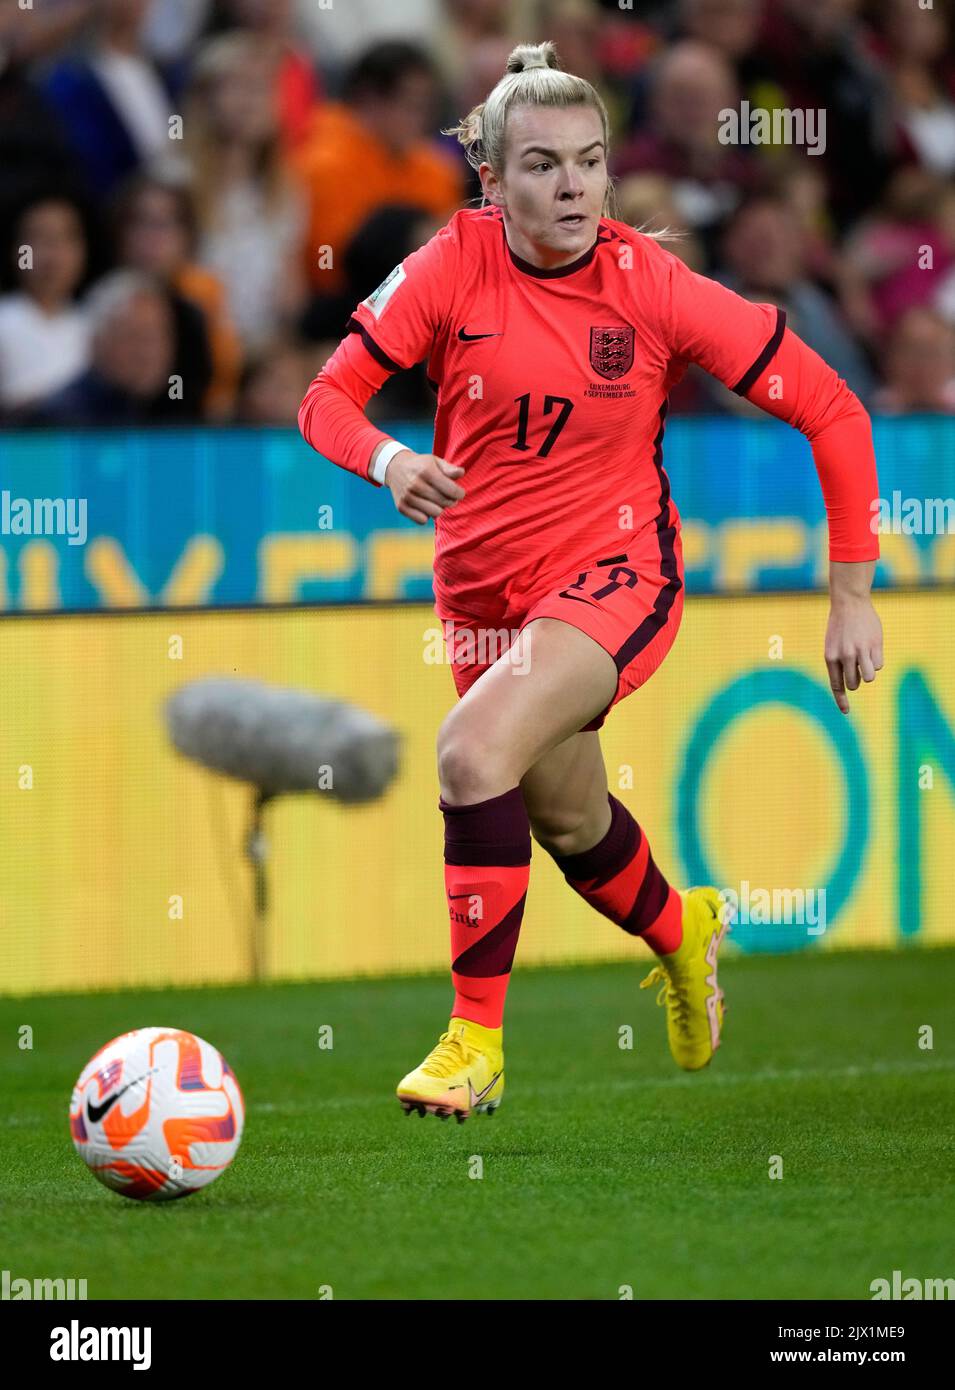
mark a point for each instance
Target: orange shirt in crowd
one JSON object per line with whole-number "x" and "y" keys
{"x": 348, "y": 173}
{"x": 204, "y": 289}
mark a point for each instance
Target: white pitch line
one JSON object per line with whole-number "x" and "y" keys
{"x": 630, "y": 1083}
{"x": 719, "y": 1078}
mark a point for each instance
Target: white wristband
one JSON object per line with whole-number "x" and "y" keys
{"x": 386, "y": 454}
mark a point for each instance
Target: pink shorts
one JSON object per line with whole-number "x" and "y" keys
{"x": 629, "y": 600}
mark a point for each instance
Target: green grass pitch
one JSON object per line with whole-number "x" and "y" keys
{"x": 604, "y": 1168}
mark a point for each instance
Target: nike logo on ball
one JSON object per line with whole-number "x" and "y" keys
{"x": 96, "y": 1112}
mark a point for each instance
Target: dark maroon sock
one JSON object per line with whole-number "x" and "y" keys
{"x": 487, "y": 855}
{"x": 620, "y": 879}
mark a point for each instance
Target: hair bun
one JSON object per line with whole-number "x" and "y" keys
{"x": 532, "y": 55}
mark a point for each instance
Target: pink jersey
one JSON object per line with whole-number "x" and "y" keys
{"x": 552, "y": 388}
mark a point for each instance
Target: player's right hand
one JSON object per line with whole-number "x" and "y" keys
{"x": 422, "y": 485}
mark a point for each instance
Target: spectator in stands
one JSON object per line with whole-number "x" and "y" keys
{"x": 371, "y": 150}
{"x": 919, "y": 366}
{"x": 298, "y": 88}
{"x": 339, "y": 34}
{"x": 581, "y": 34}
{"x": 112, "y": 106}
{"x": 156, "y": 233}
{"x": 44, "y": 335}
{"x": 801, "y": 184}
{"x": 29, "y": 32}
{"x": 763, "y": 260}
{"x": 32, "y": 145}
{"x": 384, "y": 239}
{"x": 944, "y": 297}
{"x": 172, "y": 31}
{"x": 691, "y": 85}
{"x": 133, "y": 347}
{"x": 463, "y": 27}
{"x": 902, "y": 249}
{"x": 728, "y": 27}
{"x": 575, "y": 27}
{"x": 917, "y": 50}
{"x": 820, "y": 57}
{"x": 646, "y": 201}
{"x": 273, "y": 384}
{"x": 250, "y": 211}
{"x": 487, "y": 59}
{"x": 271, "y": 177}
{"x": 800, "y": 181}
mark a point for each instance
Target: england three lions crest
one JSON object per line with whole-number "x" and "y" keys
{"x": 611, "y": 351}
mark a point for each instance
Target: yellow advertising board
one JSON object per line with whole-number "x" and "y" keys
{"x": 121, "y": 863}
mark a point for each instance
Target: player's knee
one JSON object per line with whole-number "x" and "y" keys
{"x": 467, "y": 765}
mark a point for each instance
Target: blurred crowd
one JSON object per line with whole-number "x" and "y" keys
{"x": 195, "y": 193}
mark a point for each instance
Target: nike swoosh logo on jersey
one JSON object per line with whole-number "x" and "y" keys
{"x": 577, "y": 599}
{"x": 466, "y": 337}
{"x": 96, "y": 1112}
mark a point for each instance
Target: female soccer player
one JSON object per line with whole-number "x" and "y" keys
{"x": 553, "y": 334}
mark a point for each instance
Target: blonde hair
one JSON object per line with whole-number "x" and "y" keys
{"x": 533, "y": 77}
{"x": 218, "y": 58}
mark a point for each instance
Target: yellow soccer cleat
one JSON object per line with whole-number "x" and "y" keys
{"x": 463, "y": 1074}
{"x": 689, "y": 988}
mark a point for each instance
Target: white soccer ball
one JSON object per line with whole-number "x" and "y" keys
{"x": 157, "y": 1113}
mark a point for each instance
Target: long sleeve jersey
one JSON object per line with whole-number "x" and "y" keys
{"x": 552, "y": 391}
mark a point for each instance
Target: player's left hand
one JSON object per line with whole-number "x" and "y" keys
{"x": 853, "y": 649}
